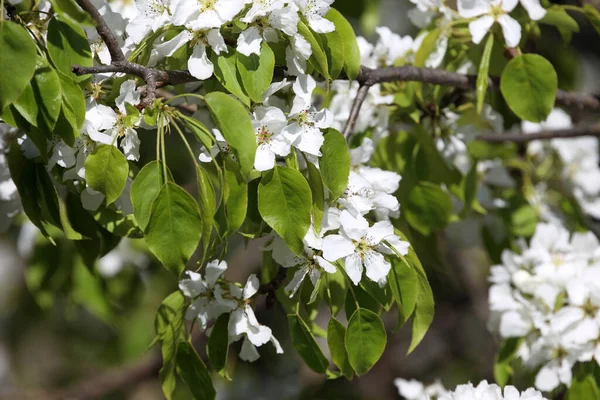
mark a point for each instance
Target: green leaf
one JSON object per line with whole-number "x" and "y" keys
{"x": 469, "y": 189}
{"x": 70, "y": 10}
{"x": 23, "y": 174}
{"x": 335, "y": 163}
{"x": 194, "y": 373}
{"x": 233, "y": 121}
{"x": 427, "y": 47}
{"x": 529, "y": 83}
{"x": 318, "y": 53}
{"x": 318, "y": 194}
{"x": 305, "y": 344}
{"x": 257, "y": 72}
{"x": 523, "y": 221}
{"x": 334, "y": 49}
{"x": 593, "y": 16}
{"x": 208, "y": 205}
{"x": 351, "y": 50}
{"x": 583, "y": 388}
{"x": 17, "y": 51}
{"x": 73, "y": 105}
{"x": 559, "y": 18}
{"x": 41, "y": 100}
{"x": 483, "y": 73}
{"x": 68, "y": 45}
{"x": 285, "y": 203}
{"x": 218, "y": 344}
{"x": 226, "y": 73}
{"x": 336, "y": 340}
{"x": 236, "y": 197}
{"x": 404, "y": 285}
{"x": 169, "y": 325}
{"x": 503, "y": 360}
{"x": 428, "y": 207}
{"x": 106, "y": 171}
{"x": 174, "y": 228}
{"x": 365, "y": 340}
{"x": 145, "y": 189}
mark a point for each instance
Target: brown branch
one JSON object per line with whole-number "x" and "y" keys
{"x": 361, "y": 95}
{"x": 270, "y": 288}
{"x": 116, "y": 54}
{"x": 520, "y": 137}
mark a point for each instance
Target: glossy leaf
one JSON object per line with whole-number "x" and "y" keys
{"x": 145, "y": 189}
{"x": 318, "y": 53}
{"x": 336, "y": 340}
{"x": 285, "y": 203}
{"x": 17, "y": 51}
{"x": 218, "y": 344}
{"x": 194, "y": 373}
{"x": 106, "y": 171}
{"x": 529, "y": 83}
{"x": 318, "y": 194}
{"x": 233, "y": 121}
{"x": 226, "y": 72}
{"x": 305, "y": 344}
{"x": 428, "y": 207}
{"x": 365, "y": 340}
{"x": 483, "y": 73}
{"x": 351, "y": 50}
{"x": 404, "y": 285}
{"x": 174, "y": 228}
{"x": 257, "y": 72}
{"x": 68, "y": 45}
{"x": 334, "y": 49}
{"x": 335, "y": 163}
{"x": 207, "y": 203}
{"x": 41, "y": 100}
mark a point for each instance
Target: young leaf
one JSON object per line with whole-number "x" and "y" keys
{"x": 593, "y": 16}
{"x": 336, "y": 340}
{"x": 285, "y": 203}
{"x": 529, "y": 83}
{"x": 236, "y": 197}
{"x": 174, "y": 228}
{"x": 67, "y": 46}
{"x": 305, "y": 344}
{"x": 194, "y": 373}
{"x": 144, "y": 190}
{"x": 428, "y": 207}
{"x": 565, "y": 24}
{"x": 257, "y": 72}
{"x": 73, "y": 110}
{"x": 351, "y": 50}
{"x": 106, "y": 171}
{"x": 502, "y": 363}
{"x": 233, "y": 121}
{"x": 428, "y": 46}
{"x": 226, "y": 73}
{"x": 207, "y": 203}
{"x": 318, "y": 194}
{"x": 583, "y": 388}
{"x": 335, "y": 163}
{"x": 334, "y": 49}
{"x": 318, "y": 54}
{"x": 17, "y": 50}
{"x": 404, "y": 285}
{"x": 41, "y": 100}
{"x": 70, "y": 10}
{"x": 218, "y": 345}
{"x": 365, "y": 340}
{"x": 483, "y": 73}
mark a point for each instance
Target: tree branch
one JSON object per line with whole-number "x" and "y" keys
{"x": 521, "y": 137}
{"x": 116, "y": 54}
{"x": 363, "y": 91}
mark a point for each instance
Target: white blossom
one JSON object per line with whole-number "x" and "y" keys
{"x": 487, "y": 12}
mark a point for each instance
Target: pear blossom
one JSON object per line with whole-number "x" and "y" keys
{"x": 205, "y": 14}
{"x": 363, "y": 247}
{"x": 297, "y": 54}
{"x": 243, "y": 322}
{"x": 265, "y": 19}
{"x": 314, "y": 10}
{"x": 268, "y": 123}
{"x": 415, "y": 390}
{"x": 204, "y": 307}
{"x": 310, "y": 263}
{"x": 153, "y": 15}
{"x": 488, "y": 12}
{"x": 198, "y": 64}
{"x": 304, "y": 132}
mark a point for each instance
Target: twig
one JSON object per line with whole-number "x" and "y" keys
{"x": 116, "y": 54}
{"x": 520, "y": 137}
{"x": 270, "y": 288}
{"x": 361, "y": 95}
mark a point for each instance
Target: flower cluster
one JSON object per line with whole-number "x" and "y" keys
{"x": 579, "y": 160}
{"x": 547, "y": 294}
{"x": 415, "y": 390}
{"x": 213, "y": 296}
